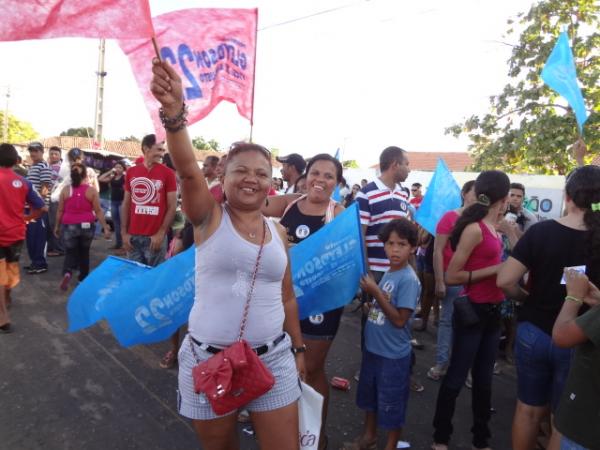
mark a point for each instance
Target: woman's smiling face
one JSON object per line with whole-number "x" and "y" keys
{"x": 321, "y": 180}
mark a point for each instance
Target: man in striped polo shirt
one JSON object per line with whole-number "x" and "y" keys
{"x": 382, "y": 201}
{"x": 40, "y": 176}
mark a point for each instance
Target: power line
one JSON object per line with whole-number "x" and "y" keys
{"x": 319, "y": 13}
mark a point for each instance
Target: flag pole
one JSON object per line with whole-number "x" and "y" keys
{"x": 254, "y": 75}
{"x": 156, "y": 50}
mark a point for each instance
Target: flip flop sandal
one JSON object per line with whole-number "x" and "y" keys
{"x": 6, "y": 328}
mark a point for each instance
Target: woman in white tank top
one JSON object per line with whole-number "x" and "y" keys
{"x": 227, "y": 246}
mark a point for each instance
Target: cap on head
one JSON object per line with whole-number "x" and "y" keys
{"x": 74, "y": 153}
{"x": 293, "y": 159}
{"x": 35, "y": 146}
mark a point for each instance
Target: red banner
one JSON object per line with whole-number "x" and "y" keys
{"x": 40, "y": 19}
{"x": 213, "y": 50}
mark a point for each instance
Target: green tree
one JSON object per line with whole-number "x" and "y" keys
{"x": 131, "y": 138}
{"x": 350, "y": 164}
{"x": 528, "y": 128}
{"x": 200, "y": 143}
{"x": 79, "y": 132}
{"x": 19, "y": 132}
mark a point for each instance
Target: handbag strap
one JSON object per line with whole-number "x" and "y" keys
{"x": 252, "y": 282}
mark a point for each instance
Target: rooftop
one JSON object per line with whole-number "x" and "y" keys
{"x": 456, "y": 161}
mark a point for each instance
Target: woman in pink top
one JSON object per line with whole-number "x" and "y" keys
{"x": 475, "y": 263}
{"x": 75, "y": 220}
{"x": 442, "y": 253}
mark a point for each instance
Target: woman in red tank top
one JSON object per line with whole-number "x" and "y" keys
{"x": 75, "y": 220}
{"x": 475, "y": 263}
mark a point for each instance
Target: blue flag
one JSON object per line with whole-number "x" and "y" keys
{"x": 560, "y": 74}
{"x": 87, "y": 303}
{"x": 142, "y": 304}
{"x": 327, "y": 266}
{"x": 336, "y": 192}
{"x": 443, "y": 194}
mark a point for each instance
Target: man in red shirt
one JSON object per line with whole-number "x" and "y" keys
{"x": 417, "y": 195}
{"x": 15, "y": 193}
{"x": 149, "y": 205}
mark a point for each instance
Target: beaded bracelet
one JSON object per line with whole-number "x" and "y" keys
{"x": 574, "y": 299}
{"x": 173, "y": 124}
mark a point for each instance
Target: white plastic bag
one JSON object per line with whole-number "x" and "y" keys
{"x": 310, "y": 408}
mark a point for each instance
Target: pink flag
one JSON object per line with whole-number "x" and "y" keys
{"x": 40, "y": 19}
{"x": 213, "y": 50}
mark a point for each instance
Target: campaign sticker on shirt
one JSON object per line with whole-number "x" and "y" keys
{"x": 17, "y": 184}
{"x": 580, "y": 269}
{"x": 146, "y": 210}
{"x": 317, "y": 319}
{"x": 302, "y": 231}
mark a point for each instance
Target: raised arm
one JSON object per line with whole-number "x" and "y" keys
{"x": 198, "y": 203}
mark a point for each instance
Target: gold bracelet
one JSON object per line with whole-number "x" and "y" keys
{"x": 574, "y": 299}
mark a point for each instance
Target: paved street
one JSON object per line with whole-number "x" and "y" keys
{"x": 83, "y": 391}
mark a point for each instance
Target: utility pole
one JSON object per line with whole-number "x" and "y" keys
{"x": 98, "y": 123}
{"x": 5, "y": 121}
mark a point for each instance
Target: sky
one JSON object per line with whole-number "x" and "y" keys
{"x": 358, "y": 75}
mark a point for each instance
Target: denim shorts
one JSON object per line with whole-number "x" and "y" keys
{"x": 568, "y": 444}
{"x": 279, "y": 360}
{"x": 383, "y": 388}
{"x": 542, "y": 367}
{"x": 322, "y": 327}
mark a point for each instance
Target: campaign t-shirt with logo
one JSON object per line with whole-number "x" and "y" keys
{"x": 15, "y": 191}
{"x": 148, "y": 189}
{"x": 381, "y": 336}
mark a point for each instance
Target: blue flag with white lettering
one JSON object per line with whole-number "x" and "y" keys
{"x": 87, "y": 303}
{"x": 327, "y": 266}
{"x": 142, "y": 304}
{"x": 560, "y": 74}
{"x": 443, "y": 194}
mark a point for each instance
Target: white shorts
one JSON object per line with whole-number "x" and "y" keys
{"x": 280, "y": 362}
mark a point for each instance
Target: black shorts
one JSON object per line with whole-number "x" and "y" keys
{"x": 322, "y": 327}
{"x": 12, "y": 252}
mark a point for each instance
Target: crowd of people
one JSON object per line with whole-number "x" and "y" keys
{"x": 490, "y": 270}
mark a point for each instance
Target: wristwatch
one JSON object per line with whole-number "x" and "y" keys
{"x": 301, "y": 349}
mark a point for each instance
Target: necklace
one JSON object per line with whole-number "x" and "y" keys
{"x": 251, "y": 234}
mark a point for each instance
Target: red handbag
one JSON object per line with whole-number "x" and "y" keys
{"x": 236, "y": 375}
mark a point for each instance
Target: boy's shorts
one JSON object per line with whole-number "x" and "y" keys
{"x": 9, "y": 264}
{"x": 383, "y": 388}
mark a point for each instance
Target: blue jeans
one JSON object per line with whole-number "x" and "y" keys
{"x": 115, "y": 211}
{"x": 475, "y": 347}
{"x": 37, "y": 237}
{"x": 105, "y": 206}
{"x": 542, "y": 367}
{"x": 568, "y": 444}
{"x": 141, "y": 252}
{"x": 444, "y": 336}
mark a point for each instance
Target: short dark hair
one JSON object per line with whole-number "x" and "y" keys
{"x": 327, "y": 157}
{"x": 389, "y": 156}
{"x": 211, "y": 160}
{"x": 419, "y": 185}
{"x": 241, "y": 147}
{"x": 8, "y": 155}
{"x": 403, "y": 227}
{"x": 518, "y": 186}
{"x": 148, "y": 141}
{"x": 54, "y": 148}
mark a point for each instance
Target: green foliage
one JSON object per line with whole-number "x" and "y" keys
{"x": 350, "y": 164}
{"x": 79, "y": 132}
{"x": 200, "y": 143}
{"x": 131, "y": 138}
{"x": 19, "y": 132}
{"x": 529, "y": 127}
{"x": 275, "y": 152}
